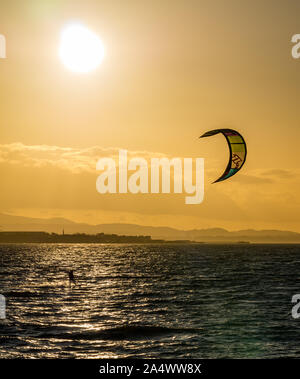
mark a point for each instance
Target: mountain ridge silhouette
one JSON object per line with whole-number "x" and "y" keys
{"x": 58, "y": 224}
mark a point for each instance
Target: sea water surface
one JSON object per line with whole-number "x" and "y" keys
{"x": 149, "y": 301}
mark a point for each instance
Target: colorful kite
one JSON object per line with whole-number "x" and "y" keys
{"x": 238, "y": 151}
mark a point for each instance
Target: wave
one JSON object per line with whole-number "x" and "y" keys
{"x": 21, "y": 294}
{"x": 119, "y": 333}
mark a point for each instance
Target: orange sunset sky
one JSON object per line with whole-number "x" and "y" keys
{"x": 172, "y": 70}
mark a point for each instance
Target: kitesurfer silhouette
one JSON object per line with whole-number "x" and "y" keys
{"x": 71, "y": 277}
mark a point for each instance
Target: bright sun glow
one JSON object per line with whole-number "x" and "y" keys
{"x": 80, "y": 49}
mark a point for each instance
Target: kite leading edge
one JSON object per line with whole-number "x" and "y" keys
{"x": 238, "y": 151}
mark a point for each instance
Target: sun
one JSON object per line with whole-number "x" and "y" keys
{"x": 80, "y": 49}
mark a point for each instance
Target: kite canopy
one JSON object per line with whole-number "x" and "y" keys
{"x": 237, "y": 148}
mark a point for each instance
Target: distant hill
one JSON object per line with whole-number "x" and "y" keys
{"x": 43, "y": 237}
{"x": 56, "y": 225}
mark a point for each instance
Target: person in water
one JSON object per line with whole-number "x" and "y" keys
{"x": 71, "y": 277}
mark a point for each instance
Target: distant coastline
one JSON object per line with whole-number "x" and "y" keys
{"x": 44, "y": 237}
{"x": 10, "y": 223}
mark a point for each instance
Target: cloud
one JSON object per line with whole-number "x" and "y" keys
{"x": 265, "y": 176}
{"x": 251, "y": 179}
{"x": 43, "y": 176}
{"x": 280, "y": 173}
{"x": 66, "y": 158}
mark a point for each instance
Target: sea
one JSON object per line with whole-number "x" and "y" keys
{"x": 150, "y": 301}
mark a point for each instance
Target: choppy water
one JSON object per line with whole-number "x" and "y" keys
{"x": 153, "y": 301}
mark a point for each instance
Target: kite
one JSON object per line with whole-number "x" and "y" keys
{"x": 237, "y": 148}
